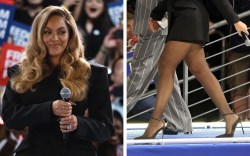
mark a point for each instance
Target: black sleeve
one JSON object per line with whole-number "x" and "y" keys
{"x": 17, "y": 115}
{"x": 227, "y": 11}
{"x": 159, "y": 11}
{"x": 98, "y": 126}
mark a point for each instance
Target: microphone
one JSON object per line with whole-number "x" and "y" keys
{"x": 247, "y": 41}
{"x": 65, "y": 94}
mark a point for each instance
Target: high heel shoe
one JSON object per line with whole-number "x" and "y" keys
{"x": 233, "y": 128}
{"x": 154, "y": 135}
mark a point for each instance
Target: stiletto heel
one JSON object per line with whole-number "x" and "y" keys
{"x": 233, "y": 127}
{"x": 154, "y": 135}
{"x": 241, "y": 125}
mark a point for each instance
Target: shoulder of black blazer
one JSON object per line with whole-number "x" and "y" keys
{"x": 165, "y": 5}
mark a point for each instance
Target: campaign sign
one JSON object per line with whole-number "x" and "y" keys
{"x": 10, "y": 2}
{"x": 6, "y": 17}
{"x": 115, "y": 11}
{"x": 11, "y": 55}
{"x": 20, "y": 33}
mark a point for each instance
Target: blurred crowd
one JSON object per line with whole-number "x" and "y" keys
{"x": 100, "y": 23}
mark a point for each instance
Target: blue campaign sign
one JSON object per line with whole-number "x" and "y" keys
{"x": 115, "y": 11}
{"x": 6, "y": 17}
{"x": 20, "y": 33}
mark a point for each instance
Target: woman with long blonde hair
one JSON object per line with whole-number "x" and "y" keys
{"x": 54, "y": 59}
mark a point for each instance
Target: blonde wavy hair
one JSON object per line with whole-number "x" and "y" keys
{"x": 75, "y": 70}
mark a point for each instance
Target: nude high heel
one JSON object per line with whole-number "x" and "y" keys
{"x": 233, "y": 128}
{"x": 154, "y": 135}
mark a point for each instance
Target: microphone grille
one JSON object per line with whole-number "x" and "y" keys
{"x": 65, "y": 93}
{"x": 247, "y": 42}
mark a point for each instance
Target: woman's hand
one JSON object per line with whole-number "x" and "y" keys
{"x": 68, "y": 124}
{"x": 241, "y": 27}
{"x": 61, "y": 108}
{"x": 153, "y": 25}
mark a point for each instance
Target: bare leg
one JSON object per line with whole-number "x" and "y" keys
{"x": 193, "y": 54}
{"x": 195, "y": 60}
{"x": 172, "y": 55}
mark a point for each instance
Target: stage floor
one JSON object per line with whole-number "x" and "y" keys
{"x": 201, "y": 142}
{"x": 200, "y": 130}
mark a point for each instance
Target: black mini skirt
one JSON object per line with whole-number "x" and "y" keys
{"x": 189, "y": 22}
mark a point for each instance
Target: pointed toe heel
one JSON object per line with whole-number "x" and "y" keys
{"x": 154, "y": 135}
{"x": 226, "y": 135}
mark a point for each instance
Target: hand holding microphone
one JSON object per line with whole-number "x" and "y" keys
{"x": 241, "y": 27}
{"x": 247, "y": 41}
{"x": 242, "y": 30}
{"x": 63, "y": 109}
{"x": 68, "y": 124}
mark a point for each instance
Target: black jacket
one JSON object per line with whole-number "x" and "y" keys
{"x": 33, "y": 110}
{"x": 166, "y": 6}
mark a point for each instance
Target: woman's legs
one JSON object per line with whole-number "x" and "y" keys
{"x": 172, "y": 55}
{"x": 193, "y": 54}
{"x": 195, "y": 60}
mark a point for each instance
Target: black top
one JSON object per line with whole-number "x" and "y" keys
{"x": 223, "y": 5}
{"x": 193, "y": 15}
{"x": 33, "y": 110}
